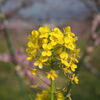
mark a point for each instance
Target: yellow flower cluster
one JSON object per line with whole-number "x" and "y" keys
{"x": 45, "y": 95}
{"x": 55, "y": 49}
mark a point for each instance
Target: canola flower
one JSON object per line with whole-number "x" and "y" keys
{"x": 54, "y": 50}
{"x": 52, "y": 75}
{"x": 44, "y": 95}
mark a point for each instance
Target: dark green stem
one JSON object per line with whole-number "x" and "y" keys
{"x": 52, "y": 89}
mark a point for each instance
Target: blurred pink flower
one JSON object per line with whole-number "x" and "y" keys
{"x": 5, "y": 57}
{"x": 96, "y": 22}
{"x": 22, "y": 67}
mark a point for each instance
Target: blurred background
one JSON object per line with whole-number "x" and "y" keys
{"x": 20, "y": 17}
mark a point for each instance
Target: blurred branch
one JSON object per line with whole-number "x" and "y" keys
{"x": 12, "y": 54}
{"x": 97, "y": 2}
{"x": 92, "y": 69}
{"x": 91, "y": 8}
{"x": 81, "y": 62}
{"x": 13, "y": 11}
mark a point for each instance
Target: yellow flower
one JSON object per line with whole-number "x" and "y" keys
{"x": 64, "y": 55}
{"x": 56, "y": 37}
{"x": 47, "y": 50}
{"x": 35, "y": 33}
{"x": 65, "y": 62}
{"x": 66, "y": 70}
{"x": 33, "y": 71}
{"x": 45, "y": 95}
{"x": 44, "y": 32}
{"x": 45, "y": 29}
{"x": 52, "y": 75}
{"x": 60, "y": 96}
{"x": 41, "y": 61}
{"x": 75, "y": 79}
{"x": 29, "y": 57}
{"x": 53, "y": 38}
{"x": 73, "y": 67}
{"x": 67, "y": 29}
{"x": 69, "y": 43}
{"x": 44, "y": 41}
{"x": 45, "y": 35}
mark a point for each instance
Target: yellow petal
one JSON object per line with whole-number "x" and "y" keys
{"x": 44, "y": 53}
{"x": 29, "y": 58}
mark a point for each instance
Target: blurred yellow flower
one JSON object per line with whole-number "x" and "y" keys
{"x": 52, "y": 75}
{"x": 33, "y": 71}
{"x": 60, "y": 96}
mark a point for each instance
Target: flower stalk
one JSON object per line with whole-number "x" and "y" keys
{"x": 52, "y": 89}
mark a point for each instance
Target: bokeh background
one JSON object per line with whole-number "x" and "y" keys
{"x": 22, "y": 16}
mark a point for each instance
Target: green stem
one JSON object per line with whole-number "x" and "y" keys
{"x": 68, "y": 89}
{"x": 52, "y": 89}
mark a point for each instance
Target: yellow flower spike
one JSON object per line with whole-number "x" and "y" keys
{"x": 46, "y": 46}
{"x": 52, "y": 75}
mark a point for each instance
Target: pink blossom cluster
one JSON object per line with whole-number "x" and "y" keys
{"x": 23, "y": 67}
{"x": 95, "y": 25}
